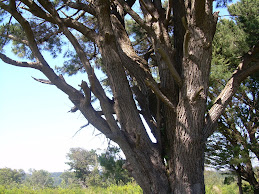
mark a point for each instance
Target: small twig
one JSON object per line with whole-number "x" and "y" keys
{"x": 44, "y": 81}
{"x": 81, "y": 128}
{"x": 73, "y": 109}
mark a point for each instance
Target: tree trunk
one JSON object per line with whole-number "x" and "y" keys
{"x": 239, "y": 183}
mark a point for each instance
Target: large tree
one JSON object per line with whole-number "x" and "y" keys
{"x": 173, "y": 104}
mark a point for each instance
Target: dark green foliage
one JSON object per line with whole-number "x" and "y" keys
{"x": 141, "y": 42}
{"x": 113, "y": 166}
{"x": 228, "y": 180}
{"x": 228, "y": 46}
{"x": 246, "y": 15}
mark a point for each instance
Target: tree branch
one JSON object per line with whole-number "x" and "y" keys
{"x": 134, "y": 15}
{"x": 74, "y": 95}
{"x": 35, "y": 65}
{"x": 248, "y": 66}
{"x": 15, "y": 38}
{"x": 170, "y": 66}
{"x": 95, "y": 84}
{"x": 168, "y": 12}
{"x": 44, "y": 81}
{"x": 157, "y": 91}
{"x": 80, "y": 6}
{"x": 37, "y": 11}
{"x": 149, "y": 10}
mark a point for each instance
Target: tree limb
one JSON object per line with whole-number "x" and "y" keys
{"x": 35, "y": 65}
{"x": 80, "y": 6}
{"x": 150, "y": 11}
{"x": 157, "y": 91}
{"x": 134, "y": 15}
{"x": 170, "y": 66}
{"x": 15, "y": 38}
{"x": 95, "y": 84}
{"x": 168, "y": 12}
{"x": 37, "y": 11}
{"x": 248, "y": 66}
{"x": 44, "y": 81}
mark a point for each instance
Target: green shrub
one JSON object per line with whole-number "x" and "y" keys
{"x": 130, "y": 188}
{"x": 222, "y": 189}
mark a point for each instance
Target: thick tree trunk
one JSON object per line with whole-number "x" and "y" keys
{"x": 181, "y": 124}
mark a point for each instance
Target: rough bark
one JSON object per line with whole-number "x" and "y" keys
{"x": 175, "y": 163}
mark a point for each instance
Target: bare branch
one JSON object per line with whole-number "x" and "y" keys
{"x": 95, "y": 84}
{"x": 80, "y": 6}
{"x": 81, "y": 128}
{"x": 148, "y": 10}
{"x": 69, "y": 22}
{"x": 157, "y": 91}
{"x": 73, "y": 109}
{"x": 44, "y": 81}
{"x": 87, "y": 92}
{"x": 134, "y": 15}
{"x": 170, "y": 66}
{"x": 74, "y": 95}
{"x": 80, "y": 15}
{"x": 35, "y": 65}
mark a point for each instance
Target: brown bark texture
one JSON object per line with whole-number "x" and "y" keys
{"x": 173, "y": 106}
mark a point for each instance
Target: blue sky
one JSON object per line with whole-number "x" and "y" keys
{"x": 36, "y": 130}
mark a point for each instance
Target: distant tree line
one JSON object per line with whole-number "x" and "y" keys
{"x": 86, "y": 169}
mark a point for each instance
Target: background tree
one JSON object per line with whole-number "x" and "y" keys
{"x": 89, "y": 169}
{"x": 69, "y": 179}
{"x": 236, "y": 146}
{"x": 174, "y": 104}
{"x": 39, "y": 179}
{"x": 10, "y": 176}
{"x": 82, "y": 163}
{"x": 113, "y": 166}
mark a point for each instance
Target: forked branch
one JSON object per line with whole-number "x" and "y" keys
{"x": 248, "y": 66}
